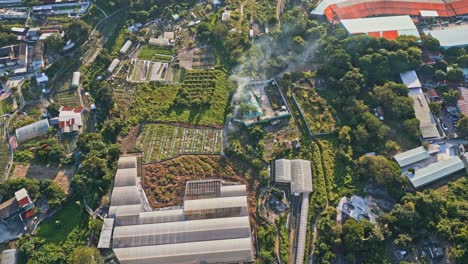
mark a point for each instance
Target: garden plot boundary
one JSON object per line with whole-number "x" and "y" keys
{"x": 161, "y": 141}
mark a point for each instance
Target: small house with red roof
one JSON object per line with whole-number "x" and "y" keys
{"x": 21, "y": 204}
{"x": 70, "y": 119}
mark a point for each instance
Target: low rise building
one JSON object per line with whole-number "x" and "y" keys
{"x": 297, "y": 173}
{"x": 451, "y": 37}
{"x": 70, "y": 119}
{"x": 411, "y": 156}
{"x": 436, "y": 171}
{"x": 20, "y": 205}
{"x": 113, "y": 66}
{"x": 126, "y": 47}
{"x": 389, "y": 27}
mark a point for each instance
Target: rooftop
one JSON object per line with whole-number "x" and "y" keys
{"x": 427, "y": 123}
{"x": 388, "y": 27}
{"x": 410, "y": 79}
{"x": 452, "y": 36}
{"x": 436, "y": 171}
{"x": 411, "y": 156}
{"x": 297, "y": 172}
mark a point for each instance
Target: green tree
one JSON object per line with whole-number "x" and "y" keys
{"x": 435, "y": 107}
{"x": 451, "y": 97}
{"x": 462, "y": 125}
{"x": 431, "y": 43}
{"x": 77, "y": 31}
{"x": 54, "y": 43}
{"x": 440, "y": 76}
{"x": 411, "y": 126}
{"x": 85, "y": 255}
{"x": 455, "y": 75}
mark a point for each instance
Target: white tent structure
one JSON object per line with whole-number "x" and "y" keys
{"x": 33, "y": 130}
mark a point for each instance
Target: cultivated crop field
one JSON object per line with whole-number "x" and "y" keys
{"x": 147, "y": 71}
{"x": 154, "y": 53}
{"x": 67, "y": 98}
{"x": 164, "y": 182}
{"x": 159, "y": 141}
{"x": 317, "y": 112}
{"x": 202, "y": 100}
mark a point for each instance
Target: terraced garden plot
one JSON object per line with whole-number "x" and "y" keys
{"x": 158, "y": 141}
{"x": 147, "y": 71}
{"x": 68, "y": 98}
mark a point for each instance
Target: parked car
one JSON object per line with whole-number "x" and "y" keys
{"x": 444, "y": 126}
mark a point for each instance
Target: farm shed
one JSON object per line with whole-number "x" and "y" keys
{"x": 76, "y": 80}
{"x": 381, "y": 27}
{"x": 436, "y": 171}
{"x": 126, "y": 47}
{"x": 113, "y": 65}
{"x": 191, "y": 234}
{"x": 33, "y": 130}
{"x": 411, "y": 156}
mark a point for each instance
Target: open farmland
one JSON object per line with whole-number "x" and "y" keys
{"x": 147, "y": 71}
{"x": 195, "y": 102}
{"x": 67, "y": 98}
{"x": 159, "y": 141}
{"x": 318, "y": 114}
{"x": 164, "y": 182}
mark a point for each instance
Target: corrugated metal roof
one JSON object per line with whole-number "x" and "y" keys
{"x": 436, "y": 171}
{"x": 10, "y": 256}
{"x": 181, "y": 232}
{"x": 282, "y": 171}
{"x": 214, "y": 251}
{"x": 451, "y": 36}
{"x": 301, "y": 176}
{"x": 106, "y": 233}
{"x": 380, "y": 24}
{"x": 113, "y": 65}
{"x": 411, "y": 156}
{"x": 126, "y": 46}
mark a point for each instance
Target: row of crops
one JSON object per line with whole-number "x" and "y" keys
{"x": 198, "y": 86}
{"x": 158, "y": 141}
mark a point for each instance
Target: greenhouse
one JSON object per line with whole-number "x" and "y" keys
{"x": 33, "y": 130}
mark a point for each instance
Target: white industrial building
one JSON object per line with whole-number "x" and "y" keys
{"x": 451, "y": 37}
{"x": 389, "y": 27}
{"x": 212, "y": 226}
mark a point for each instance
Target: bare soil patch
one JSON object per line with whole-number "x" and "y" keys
{"x": 60, "y": 175}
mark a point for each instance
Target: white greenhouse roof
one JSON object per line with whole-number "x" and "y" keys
{"x": 126, "y": 195}
{"x": 410, "y": 79}
{"x": 297, "y": 172}
{"x": 125, "y": 177}
{"x": 411, "y": 156}
{"x": 215, "y": 203}
{"x": 214, "y": 251}
{"x": 113, "y": 65}
{"x": 127, "y": 162}
{"x": 33, "y": 130}
{"x": 283, "y": 171}
{"x": 436, "y": 171}
{"x": 181, "y": 232}
{"x": 106, "y": 233}
{"x": 233, "y": 190}
{"x": 126, "y": 46}
{"x": 452, "y": 36}
{"x": 381, "y": 24}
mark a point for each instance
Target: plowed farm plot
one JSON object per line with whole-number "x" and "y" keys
{"x": 158, "y": 141}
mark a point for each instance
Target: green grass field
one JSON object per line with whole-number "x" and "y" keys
{"x": 3, "y": 150}
{"x": 57, "y": 228}
{"x": 155, "y": 53}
